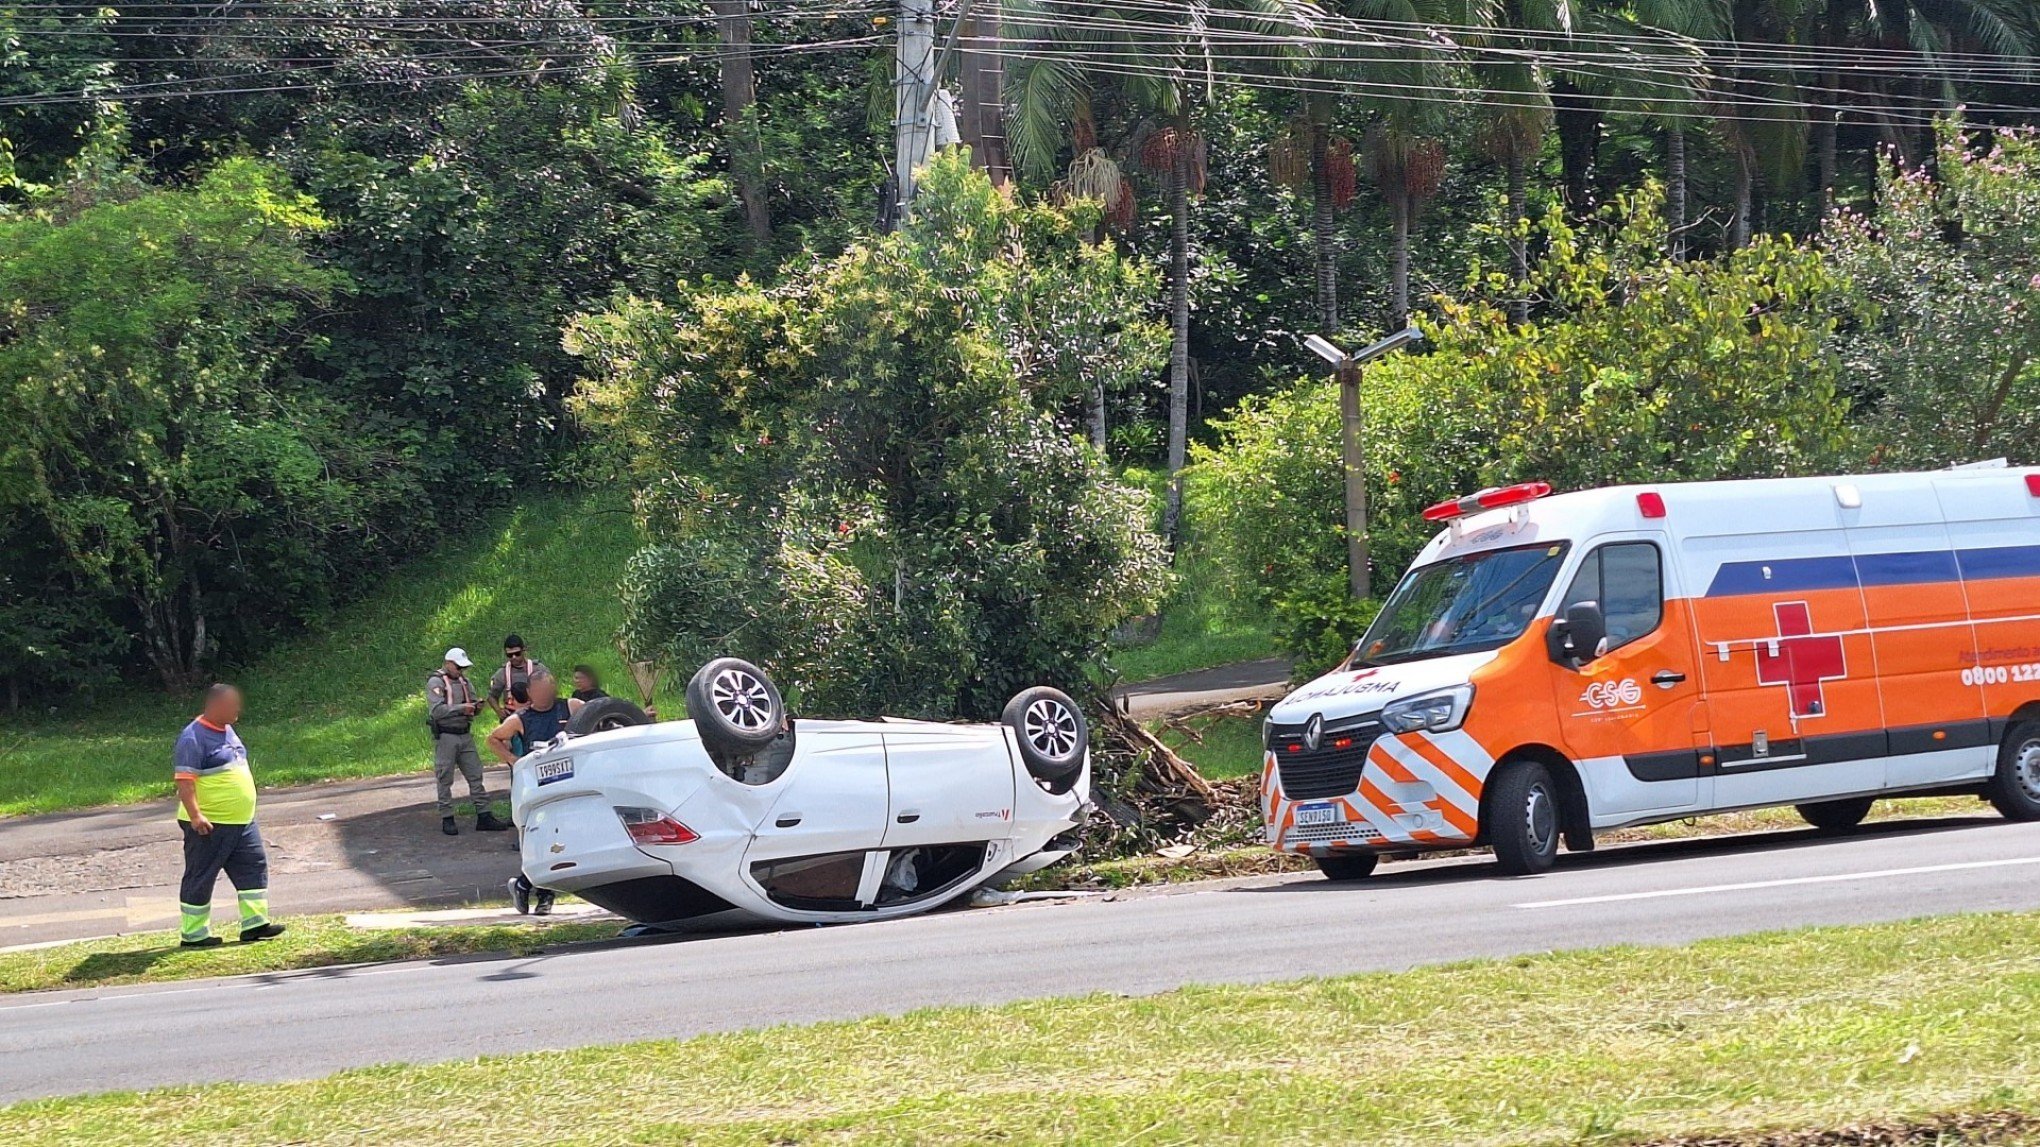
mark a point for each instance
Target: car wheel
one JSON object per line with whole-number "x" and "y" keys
{"x": 1836, "y": 816}
{"x": 1348, "y": 865}
{"x": 1051, "y": 731}
{"x": 605, "y": 713}
{"x": 2015, "y": 787}
{"x": 735, "y": 707}
{"x": 1523, "y": 818}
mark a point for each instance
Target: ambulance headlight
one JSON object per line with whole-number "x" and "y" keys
{"x": 1438, "y": 712}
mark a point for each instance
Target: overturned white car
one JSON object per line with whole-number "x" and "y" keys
{"x": 743, "y": 812}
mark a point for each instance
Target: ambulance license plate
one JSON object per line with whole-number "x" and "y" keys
{"x": 1323, "y": 812}
{"x": 550, "y": 771}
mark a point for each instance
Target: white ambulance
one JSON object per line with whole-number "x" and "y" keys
{"x": 1556, "y": 666}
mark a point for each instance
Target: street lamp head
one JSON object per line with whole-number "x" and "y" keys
{"x": 1325, "y": 349}
{"x": 1408, "y": 336}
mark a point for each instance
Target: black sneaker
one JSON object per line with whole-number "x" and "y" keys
{"x": 487, "y": 822}
{"x": 447, "y": 826}
{"x": 520, "y": 896}
{"x": 269, "y": 931}
{"x": 545, "y": 902}
{"x": 208, "y": 942}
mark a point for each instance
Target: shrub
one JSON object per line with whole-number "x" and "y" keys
{"x": 1639, "y": 369}
{"x": 866, "y": 478}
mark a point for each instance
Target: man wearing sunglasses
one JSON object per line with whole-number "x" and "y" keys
{"x": 519, "y": 667}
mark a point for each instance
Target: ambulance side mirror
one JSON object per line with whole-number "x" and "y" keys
{"x": 1575, "y": 637}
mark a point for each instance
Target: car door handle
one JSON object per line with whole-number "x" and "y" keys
{"x": 788, "y": 820}
{"x": 908, "y": 817}
{"x": 1666, "y": 678}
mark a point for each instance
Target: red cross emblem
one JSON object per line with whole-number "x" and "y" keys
{"x": 1800, "y": 659}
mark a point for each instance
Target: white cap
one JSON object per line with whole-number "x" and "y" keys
{"x": 458, "y": 656}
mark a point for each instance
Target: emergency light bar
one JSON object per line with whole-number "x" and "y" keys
{"x": 1493, "y": 498}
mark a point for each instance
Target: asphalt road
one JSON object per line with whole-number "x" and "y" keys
{"x": 308, "y": 1024}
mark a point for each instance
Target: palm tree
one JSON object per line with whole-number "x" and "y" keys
{"x": 740, "y": 96}
{"x": 1161, "y": 59}
{"x": 1514, "y": 106}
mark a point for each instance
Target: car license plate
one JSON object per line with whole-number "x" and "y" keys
{"x": 549, "y": 771}
{"x": 1323, "y": 812}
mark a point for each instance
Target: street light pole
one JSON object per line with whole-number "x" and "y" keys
{"x": 1356, "y": 479}
{"x": 1347, "y": 368}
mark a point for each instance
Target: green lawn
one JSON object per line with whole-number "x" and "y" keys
{"x": 1803, "y": 1030}
{"x": 1206, "y": 622}
{"x": 347, "y": 701}
{"x": 311, "y": 942}
{"x": 1220, "y": 746}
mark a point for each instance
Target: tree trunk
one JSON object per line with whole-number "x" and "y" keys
{"x": 1745, "y": 200}
{"x": 1519, "y": 243}
{"x": 1824, "y": 160}
{"x": 1578, "y": 119}
{"x": 1179, "y": 323}
{"x": 1097, "y": 418}
{"x": 982, "y": 121}
{"x": 1324, "y": 224}
{"x": 1399, "y": 276}
{"x": 740, "y": 128}
{"x": 1676, "y": 192}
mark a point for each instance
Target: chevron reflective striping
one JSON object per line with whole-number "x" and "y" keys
{"x": 1380, "y": 812}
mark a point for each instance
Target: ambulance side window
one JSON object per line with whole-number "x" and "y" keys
{"x": 1627, "y": 580}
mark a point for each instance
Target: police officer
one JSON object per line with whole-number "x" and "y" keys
{"x": 216, "y": 810}
{"x": 450, "y": 707}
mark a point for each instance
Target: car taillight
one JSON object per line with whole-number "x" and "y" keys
{"x": 650, "y": 826}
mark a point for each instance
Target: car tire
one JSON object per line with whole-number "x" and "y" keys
{"x": 1836, "y": 816}
{"x": 735, "y": 707}
{"x": 1524, "y": 817}
{"x": 1348, "y": 865}
{"x": 2014, "y": 788}
{"x": 606, "y": 713}
{"x": 1051, "y": 731}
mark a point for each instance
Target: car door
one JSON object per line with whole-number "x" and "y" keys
{"x": 814, "y": 848}
{"x": 949, "y": 784}
{"x": 1632, "y": 716}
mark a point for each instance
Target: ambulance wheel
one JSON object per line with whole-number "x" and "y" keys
{"x": 606, "y": 713}
{"x": 1523, "y": 818}
{"x": 1835, "y": 816}
{"x": 2015, "y": 787}
{"x": 1348, "y": 865}
{"x": 736, "y": 708}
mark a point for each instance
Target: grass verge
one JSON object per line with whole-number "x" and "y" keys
{"x": 311, "y": 942}
{"x": 1811, "y": 1029}
{"x": 1206, "y": 622}
{"x": 348, "y": 701}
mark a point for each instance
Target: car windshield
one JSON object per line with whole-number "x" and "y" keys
{"x": 1461, "y": 605}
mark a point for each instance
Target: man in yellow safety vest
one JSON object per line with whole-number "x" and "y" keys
{"x": 216, "y": 807}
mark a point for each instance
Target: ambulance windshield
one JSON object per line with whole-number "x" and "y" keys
{"x": 1461, "y": 605}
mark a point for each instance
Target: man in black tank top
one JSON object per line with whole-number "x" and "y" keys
{"x": 538, "y": 722}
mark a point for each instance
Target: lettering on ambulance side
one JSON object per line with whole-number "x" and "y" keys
{"x": 1609, "y": 698}
{"x": 1360, "y": 682}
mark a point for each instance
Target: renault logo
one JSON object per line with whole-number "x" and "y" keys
{"x": 1314, "y": 732}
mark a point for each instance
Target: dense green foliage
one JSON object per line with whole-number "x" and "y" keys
{"x": 465, "y": 176}
{"x": 1945, "y": 359}
{"x": 866, "y": 477}
{"x": 1637, "y": 368}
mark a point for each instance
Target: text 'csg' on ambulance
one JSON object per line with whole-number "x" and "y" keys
{"x": 1556, "y": 666}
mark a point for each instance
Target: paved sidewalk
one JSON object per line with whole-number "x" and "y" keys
{"x": 105, "y": 871}
{"x": 1247, "y": 680}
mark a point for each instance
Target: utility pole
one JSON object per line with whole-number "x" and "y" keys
{"x": 913, "y": 95}
{"x": 1347, "y": 372}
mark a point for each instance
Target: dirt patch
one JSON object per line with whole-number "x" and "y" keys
{"x": 1984, "y": 1127}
